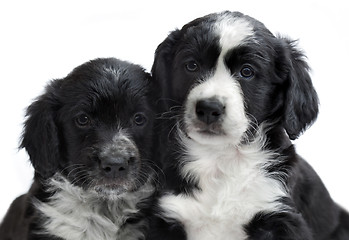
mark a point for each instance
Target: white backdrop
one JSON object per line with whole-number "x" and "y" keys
{"x": 43, "y": 40}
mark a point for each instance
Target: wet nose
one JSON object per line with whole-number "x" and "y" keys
{"x": 209, "y": 110}
{"x": 114, "y": 166}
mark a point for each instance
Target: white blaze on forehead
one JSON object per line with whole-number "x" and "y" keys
{"x": 232, "y": 31}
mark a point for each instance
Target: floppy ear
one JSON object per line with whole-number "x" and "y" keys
{"x": 40, "y": 134}
{"x": 301, "y": 102}
{"x": 162, "y": 65}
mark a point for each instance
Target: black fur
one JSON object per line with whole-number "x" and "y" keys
{"x": 71, "y": 129}
{"x": 281, "y": 93}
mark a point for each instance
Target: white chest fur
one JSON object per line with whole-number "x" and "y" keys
{"x": 75, "y": 214}
{"x": 233, "y": 187}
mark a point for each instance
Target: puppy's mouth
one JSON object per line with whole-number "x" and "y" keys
{"x": 106, "y": 188}
{"x": 112, "y": 187}
{"x": 199, "y": 128}
{"x": 112, "y": 184}
{"x": 212, "y": 129}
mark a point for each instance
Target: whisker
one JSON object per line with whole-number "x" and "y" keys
{"x": 71, "y": 166}
{"x": 79, "y": 178}
{"x": 79, "y": 169}
{"x": 167, "y": 100}
{"x": 87, "y": 178}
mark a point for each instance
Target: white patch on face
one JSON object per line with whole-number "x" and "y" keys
{"x": 234, "y": 123}
{"x": 221, "y": 86}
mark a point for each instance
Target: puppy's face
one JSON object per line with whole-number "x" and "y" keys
{"x": 231, "y": 74}
{"x": 96, "y": 127}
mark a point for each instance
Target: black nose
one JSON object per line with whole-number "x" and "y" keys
{"x": 209, "y": 110}
{"x": 115, "y": 167}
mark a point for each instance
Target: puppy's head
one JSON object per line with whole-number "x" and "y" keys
{"x": 231, "y": 74}
{"x": 94, "y": 127}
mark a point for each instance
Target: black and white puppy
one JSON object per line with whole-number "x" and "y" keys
{"x": 89, "y": 139}
{"x": 233, "y": 95}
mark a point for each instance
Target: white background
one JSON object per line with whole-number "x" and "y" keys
{"x": 44, "y": 40}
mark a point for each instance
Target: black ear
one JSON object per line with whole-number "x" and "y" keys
{"x": 40, "y": 134}
{"x": 301, "y": 102}
{"x": 163, "y": 61}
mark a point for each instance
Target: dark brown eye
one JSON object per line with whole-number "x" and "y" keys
{"x": 247, "y": 72}
{"x": 82, "y": 120}
{"x": 139, "y": 119}
{"x": 192, "y": 66}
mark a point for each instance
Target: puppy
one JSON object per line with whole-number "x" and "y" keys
{"x": 89, "y": 139}
{"x": 233, "y": 96}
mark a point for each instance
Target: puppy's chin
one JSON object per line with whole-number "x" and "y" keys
{"x": 209, "y": 138}
{"x": 114, "y": 190}
{"x": 216, "y": 136}
{"x": 109, "y": 188}
{"x": 108, "y": 192}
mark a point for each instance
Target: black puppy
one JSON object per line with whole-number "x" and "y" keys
{"x": 89, "y": 139}
{"x": 232, "y": 96}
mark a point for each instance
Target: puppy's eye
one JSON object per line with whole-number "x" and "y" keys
{"x": 192, "y": 66}
{"x": 82, "y": 120}
{"x": 139, "y": 119}
{"x": 247, "y": 72}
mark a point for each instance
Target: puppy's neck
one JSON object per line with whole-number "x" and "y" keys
{"x": 211, "y": 161}
{"x": 74, "y": 213}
